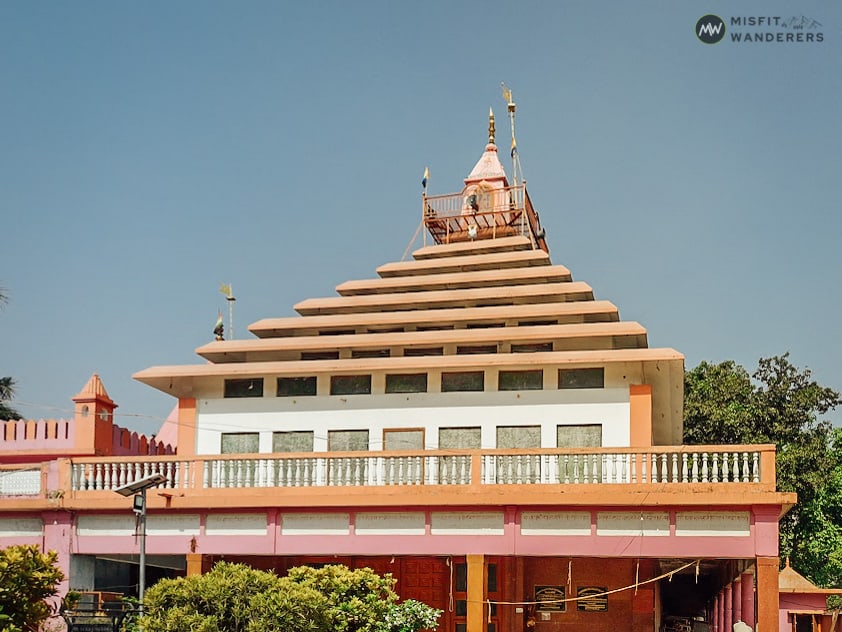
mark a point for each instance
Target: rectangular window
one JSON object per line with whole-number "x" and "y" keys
{"x": 249, "y": 387}
{"x": 293, "y": 441}
{"x": 476, "y": 349}
{"x": 579, "y": 436}
{"x": 492, "y": 578}
{"x": 536, "y": 323}
{"x": 462, "y": 381}
{"x": 532, "y": 348}
{"x": 412, "y": 352}
{"x": 403, "y": 439}
{"x": 581, "y": 378}
{"x": 408, "y": 383}
{"x": 483, "y": 325}
{"x": 520, "y": 380}
{"x": 319, "y": 355}
{"x": 455, "y": 438}
{"x": 347, "y": 440}
{"x": 337, "y": 332}
{"x": 518, "y": 437}
{"x": 240, "y": 443}
{"x": 461, "y": 579}
{"x": 350, "y": 384}
{"x": 296, "y": 386}
{"x": 370, "y": 353}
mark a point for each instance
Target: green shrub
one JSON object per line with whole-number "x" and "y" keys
{"x": 27, "y": 579}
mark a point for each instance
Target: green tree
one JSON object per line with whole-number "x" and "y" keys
{"x": 7, "y": 391}
{"x": 7, "y": 384}
{"x": 27, "y": 579}
{"x": 821, "y": 518}
{"x": 779, "y": 404}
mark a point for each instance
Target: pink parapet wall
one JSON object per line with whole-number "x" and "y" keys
{"x": 91, "y": 432}
{"x": 41, "y": 434}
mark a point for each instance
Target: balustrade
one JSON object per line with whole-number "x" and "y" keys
{"x": 682, "y": 465}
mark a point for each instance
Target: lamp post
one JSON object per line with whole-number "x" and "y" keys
{"x": 138, "y": 490}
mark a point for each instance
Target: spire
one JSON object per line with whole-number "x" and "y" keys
{"x": 488, "y": 168}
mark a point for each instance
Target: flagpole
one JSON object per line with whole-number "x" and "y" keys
{"x": 511, "y": 107}
{"x": 230, "y": 298}
{"x": 227, "y": 291}
{"x": 424, "y": 202}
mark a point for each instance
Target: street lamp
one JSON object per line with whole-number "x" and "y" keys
{"x": 138, "y": 489}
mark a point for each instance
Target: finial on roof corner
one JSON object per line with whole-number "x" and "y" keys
{"x": 490, "y": 126}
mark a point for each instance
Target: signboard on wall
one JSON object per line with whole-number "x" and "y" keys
{"x": 550, "y": 599}
{"x": 592, "y": 598}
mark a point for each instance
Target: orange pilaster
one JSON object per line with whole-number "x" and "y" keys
{"x": 194, "y": 564}
{"x": 187, "y": 426}
{"x": 768, "y": 602}
{"x": 640, "y": 415}
{"x": 476, "y": 593}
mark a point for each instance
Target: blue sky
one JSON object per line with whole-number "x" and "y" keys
{"x": 151, "y": 151}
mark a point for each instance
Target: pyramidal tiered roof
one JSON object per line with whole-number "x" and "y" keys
{"x": 484, "y": 295}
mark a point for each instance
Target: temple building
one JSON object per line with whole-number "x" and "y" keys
{"x": 471, "y": 420}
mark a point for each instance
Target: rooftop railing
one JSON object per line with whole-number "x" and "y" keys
{"x": 489, "y": 214}
{"x": 684, "y": 465}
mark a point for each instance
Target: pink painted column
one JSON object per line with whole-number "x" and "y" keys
{"x": 748, "y": 599}
{"x": 737, "y": 599}
{"x": 720, "y": 612}
{"x": 727, "y": 610}
{"x": 57, "y": 537}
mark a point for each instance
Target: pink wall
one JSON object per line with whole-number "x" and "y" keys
{"x": 41, "y": 434}
{"x": 53, "y": 436}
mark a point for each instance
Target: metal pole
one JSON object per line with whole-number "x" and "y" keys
{"x": 141, "y": 589}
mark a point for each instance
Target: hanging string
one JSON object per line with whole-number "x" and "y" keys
{"x": 668, "y": 575}
{"x": 637, "y": 576}
{"x": 450, "y": 600}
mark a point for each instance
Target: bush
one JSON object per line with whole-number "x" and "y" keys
{"x": 237, "y": 598}
{"x": 27, "y": 579}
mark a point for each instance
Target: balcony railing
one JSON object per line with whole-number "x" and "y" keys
{"x": 619, "y": 466}
{"x": 483, "y": 215}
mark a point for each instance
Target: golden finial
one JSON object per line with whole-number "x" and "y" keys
{"x": 490, "y": 126}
